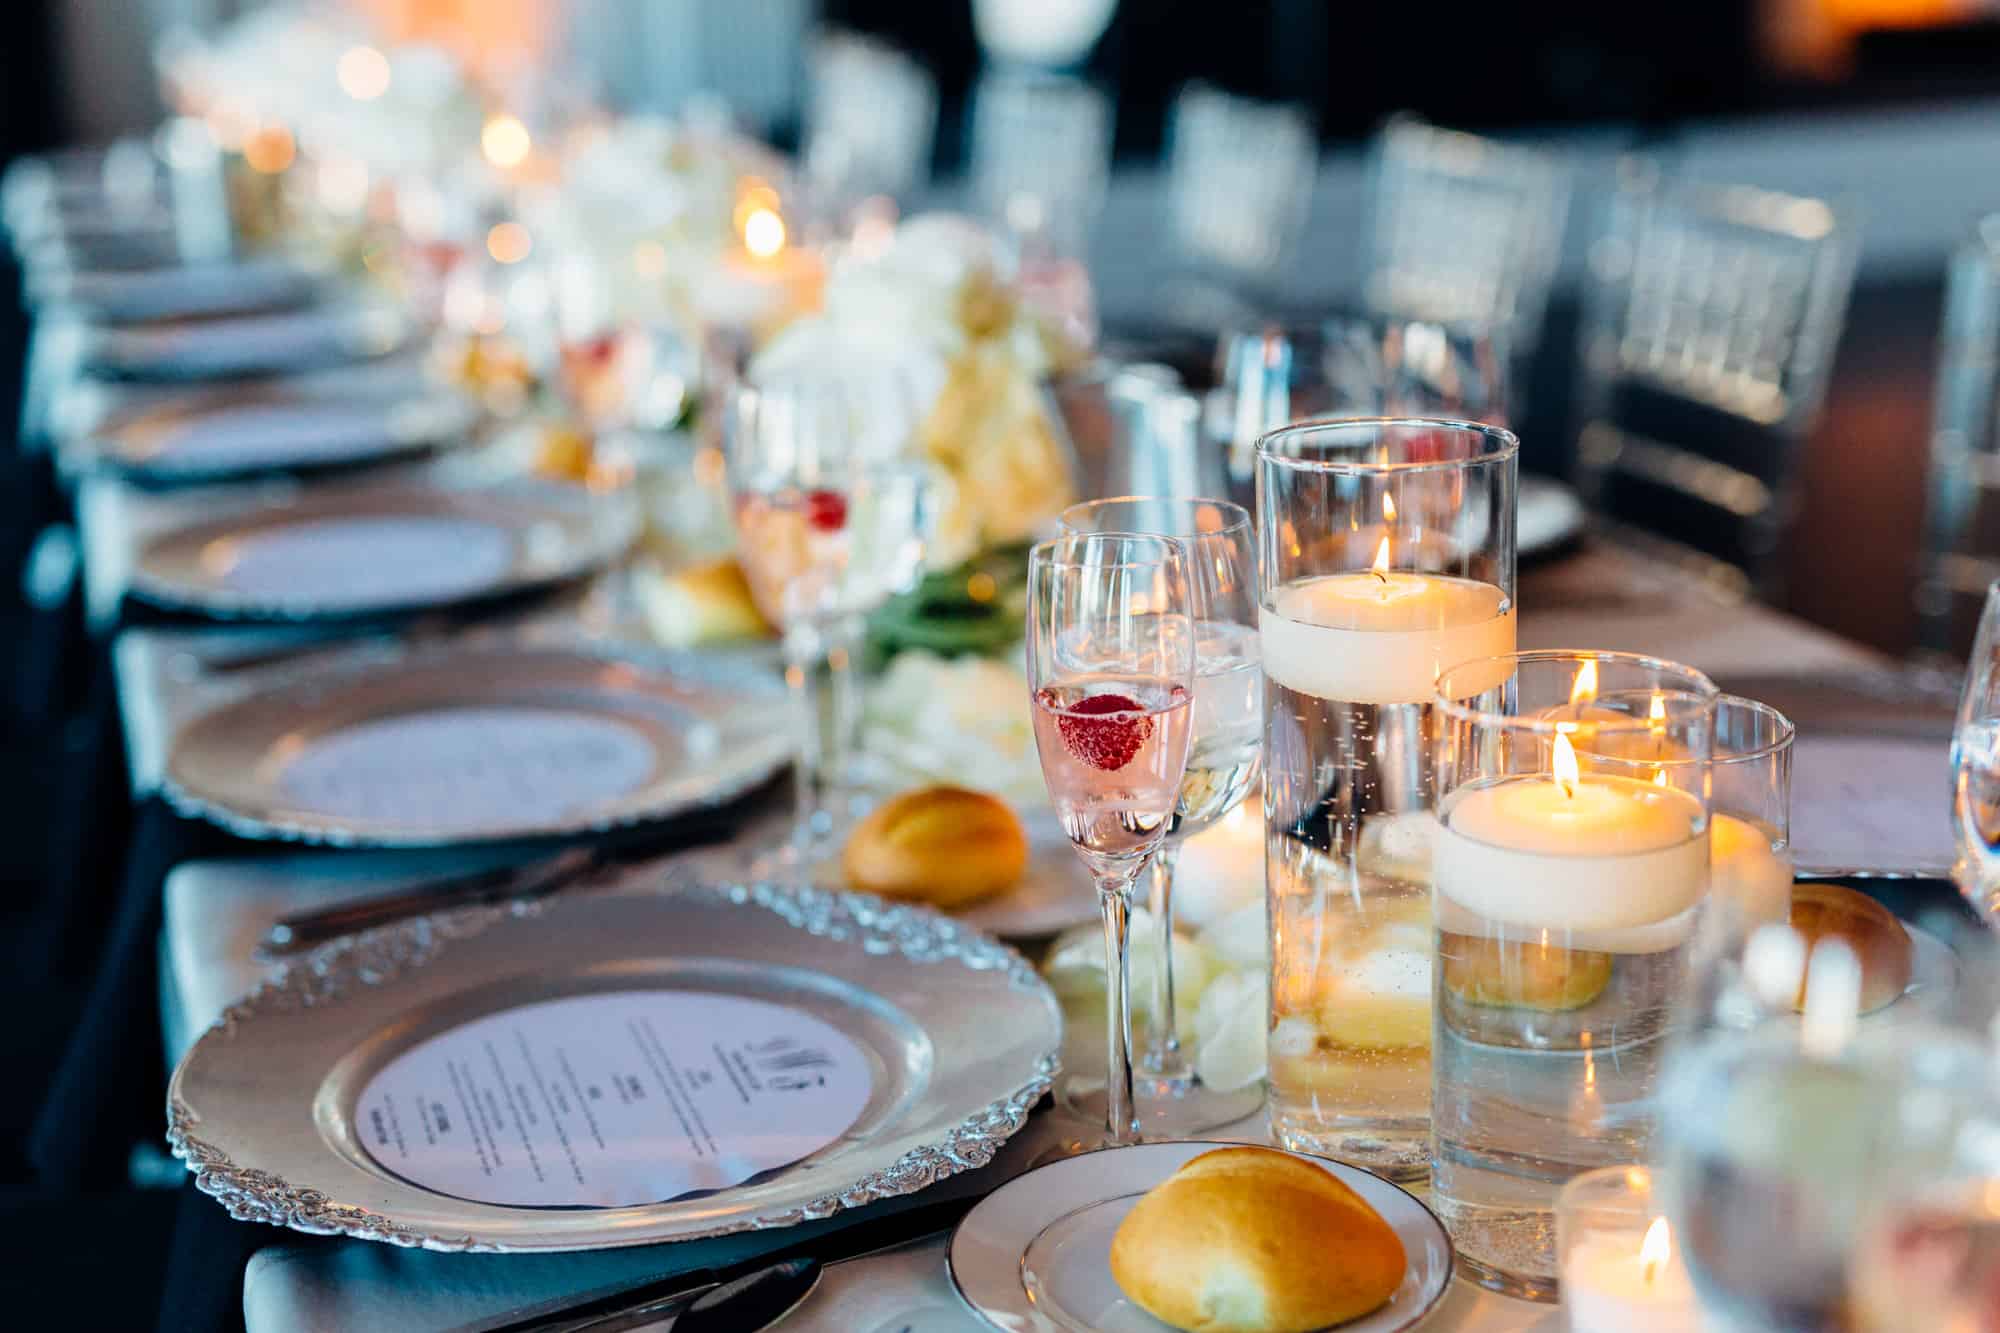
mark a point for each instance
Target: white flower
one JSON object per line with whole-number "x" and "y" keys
{"x": 965, "y": 721}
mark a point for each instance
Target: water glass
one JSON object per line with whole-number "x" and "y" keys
{"x": 1225, "y": 755}
{"x": 1571, "y": 868}
{"x": 1385, "y": 554}
{"x": 1111, "y": 670}
{"x": 1791, "y": 1170}
{"x": 1975, "y": 766}
{"x": 832, "y": 515}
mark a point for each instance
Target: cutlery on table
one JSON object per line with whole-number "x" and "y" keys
{"x": 747, "y": 1296}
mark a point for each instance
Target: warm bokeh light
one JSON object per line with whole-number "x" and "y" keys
{"x": 505, "y": 142}
{"x": 763, "y": 233}
{"x": 363, "y": 73}
{"x": 508, "y": 242}
{"x": 269, "y": 150}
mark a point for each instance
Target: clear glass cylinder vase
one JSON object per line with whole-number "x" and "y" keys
{"x": 1386, "y": 554}
{"x": 1571, "y": 870}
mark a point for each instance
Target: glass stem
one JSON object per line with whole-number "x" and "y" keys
{"x": 1162, "y": 1058}
{"x": 819, "y": 662}
{"x": 1121, "y": 1124}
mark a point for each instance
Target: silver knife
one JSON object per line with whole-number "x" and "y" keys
{"x": 296, "y": 934}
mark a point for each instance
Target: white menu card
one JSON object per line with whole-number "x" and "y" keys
{"x": 613, "y": 1099}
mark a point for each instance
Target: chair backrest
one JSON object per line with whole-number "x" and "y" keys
{"x": 1464, "y": 230}
{"x": 1709, "y": 332}
{"x": 1040, "y": 155}
{"x": 871, "y": 116}
{"x": 663, "y": 55}
{"x": 1239, "y": 180}
{"x": 1961, "y": 541}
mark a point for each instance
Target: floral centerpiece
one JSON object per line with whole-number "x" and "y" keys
{"x": 940, "y": 303}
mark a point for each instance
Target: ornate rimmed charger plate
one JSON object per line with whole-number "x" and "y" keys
{"x": 383, "y": 548}
{"x": 1035, "y": 1254}
{"x": 278, "y": 425}
{"x": 260, "y": 344}
{"x": 460, "y": 745}
{"x": 960, "y": 1035}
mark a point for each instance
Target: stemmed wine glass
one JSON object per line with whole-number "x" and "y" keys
{"x": 1225, "y": 755}
{"x": 1111, "y": 658}
{"x": 832, "y": 514}
{"x": 1975, "y": 769}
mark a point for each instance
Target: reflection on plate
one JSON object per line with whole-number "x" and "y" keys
{"x": 377, "y": 549}
{"x": 1035, "y": 1254}
{"x": 463, "y": 746}
{"x": 959, "y": 1033}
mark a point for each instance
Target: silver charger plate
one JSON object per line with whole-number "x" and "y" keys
{"x": 376, "y": 549}
{"x": 260, "y": 344}
{"x": 457, "y": 746}
{"x": 1034, "y": 1255}
{"x": 961, "y": 1035}
{"x": 278, "y": 425}
{"x": 181, "y": 291}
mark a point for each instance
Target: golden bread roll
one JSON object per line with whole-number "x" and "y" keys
{"x": 1248, "y": 1240}
{"x": 1521, "y": 974}
{"x": 942, "y": 845}
{"x": 1880, "y": 943}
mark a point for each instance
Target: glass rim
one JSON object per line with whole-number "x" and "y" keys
{"x": 1788, "y": 732}
{"x": 1238, "y": 517}
{"x": 1459, "y": 710}
{"x": 1506, "y": 445}
{"x": 1043, "y": 553}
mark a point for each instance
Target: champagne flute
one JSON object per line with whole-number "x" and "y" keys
{"x": 1225, "y": 755}
{"x": 832, "y": 516}
{"x": 1975, "y": 767}
{"x": 1111, "y": 656}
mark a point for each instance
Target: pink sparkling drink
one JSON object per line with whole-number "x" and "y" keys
{"x": 1113, "y": 752}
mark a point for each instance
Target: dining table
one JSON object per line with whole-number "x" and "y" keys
{"x": 216, "y": 909}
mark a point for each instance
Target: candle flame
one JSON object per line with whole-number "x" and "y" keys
{"x": 1388, "y": 507}
{"x": 1659, "y": 777}
{"x": 1656, "y": 1250}
{"x": 1562, "y": 762}
{"x": 1657, "y": 714}
{"x": 1585, "y": 687}
{"x": 763, "y": 233}
{"x": 1380, "y": 569}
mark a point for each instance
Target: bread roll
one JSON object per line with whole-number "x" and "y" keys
{"x": 942, "y": 845}
{"x": 1247, "y": 1240}
{"x": 1821, "y": 910}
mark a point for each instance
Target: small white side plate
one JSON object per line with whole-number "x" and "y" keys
{"x": 1051, "y": 1229}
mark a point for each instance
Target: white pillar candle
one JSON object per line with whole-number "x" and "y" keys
{"x": 1614, "y": 1282}
{"x": 1588, "y": 853}
{"x": 1745, "y": 874}
{"x": 1381, "y": 636}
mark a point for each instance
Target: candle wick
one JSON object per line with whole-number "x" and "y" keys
{"x": 1380, "y": 575}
